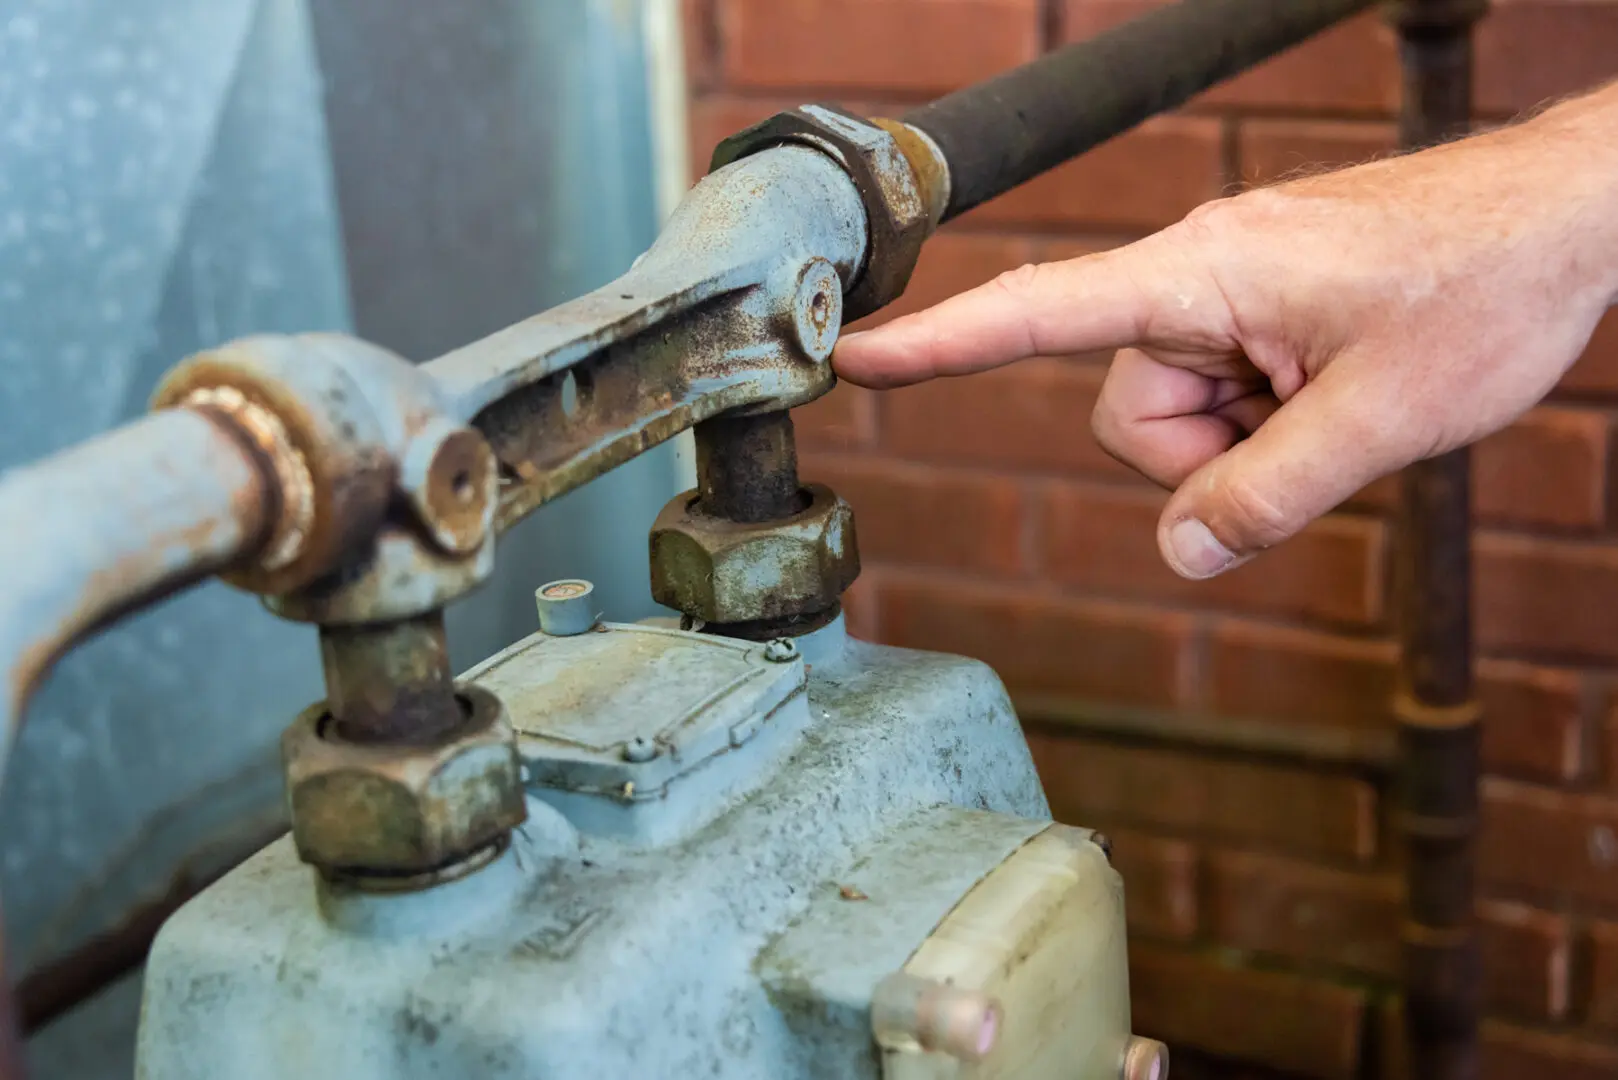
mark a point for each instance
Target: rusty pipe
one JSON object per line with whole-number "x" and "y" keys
{"x": 1006, "y": 131}
{"x": 747, "y": 468}
{"x": 390, "y": 683}
{"x": 109, "y": 526}
{"x": 115, "y": 524}
{"x": 1436, "y": 707}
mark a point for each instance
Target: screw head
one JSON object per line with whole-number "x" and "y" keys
{"x": 639, "y": 749}
{"x": 781, "y": 651}
{"x": 451, "y": 478}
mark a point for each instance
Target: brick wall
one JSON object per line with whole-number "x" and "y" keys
{"x": 1263, "y": 893}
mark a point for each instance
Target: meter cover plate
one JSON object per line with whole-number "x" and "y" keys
{"x": 578, "y": 702}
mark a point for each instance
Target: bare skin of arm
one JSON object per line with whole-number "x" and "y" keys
{"x": 1281, "y": 349}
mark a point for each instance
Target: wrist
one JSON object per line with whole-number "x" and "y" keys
{"x": 1568, "y": 155}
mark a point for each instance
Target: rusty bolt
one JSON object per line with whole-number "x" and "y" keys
{"x": 449, "y": 474}
{"x": 898, "y": 211}
{"x": 385, "y": 809}
{"x": 722, "y": 571}
{"x": 817, "y": 309}
{"x": 1145, "y": 1059}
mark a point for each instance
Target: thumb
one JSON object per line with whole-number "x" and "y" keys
{"x": 1326, "y": 443}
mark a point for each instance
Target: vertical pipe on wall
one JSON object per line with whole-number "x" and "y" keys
{"x": 1436, "y": 706}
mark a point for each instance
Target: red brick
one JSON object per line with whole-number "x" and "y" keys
{"x": 1276, "y": 906}
{"x": 953, "y": 262}
{"x": 1379, "y": 496}
{"x": 907, "y": 46}
{"x": 1546, "y": 597}
{"x": 1273, "y": 150}
{"x": 1104, "y": 539}
{"x": 1033, "y": 416}
{"x": 1258, "y": 671}
{"x": 1533, "y": 717}
{"x": 1353, "y": 67}
{"x": 1603, "y": 1005}
{"x": 712, "y": 119}
{"x": 1299, "y": 1026}
{"x": 861, "y": 607}
{"x": 1596, "y": 372}
{"x": 700, "y": 32}
{"x": 1529, "y": 51}
{"x": 1088, "y": 650}
{"x": 1533, "y": 720}
{"x": 1160, "y": 883}
{"x": 843, "y": 420}
{"x": 1094, "y": 782}
{"x": 1527, "y": 958}
{"x": 1144, "y": 179}
{"x": 1549, "y": 468}
{"x": 922, "y": 515}
{"x": 1549, "y": 841}
{"x": 1062, "y": 248}
{"x": 1513, "y": 1053}
{"x": 1267, "y": 904}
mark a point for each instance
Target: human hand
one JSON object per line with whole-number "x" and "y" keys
{"x": 1281, "y": 349}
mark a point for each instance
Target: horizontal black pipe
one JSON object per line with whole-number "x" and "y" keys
{"x": 1006, "y": 131}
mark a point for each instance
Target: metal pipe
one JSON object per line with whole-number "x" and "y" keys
{"x": 390, "y": 683}
{"x": 1006, "y": 131}
{"x": 115, "y": 524}
{"x": 104, "y": 528}
{"x": 747, "y": 468}
{"x": 1436, "y": 708}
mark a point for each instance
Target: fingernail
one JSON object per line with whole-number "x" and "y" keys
{"x": 844, "y": 339}
{"x": 1195, "y": 552}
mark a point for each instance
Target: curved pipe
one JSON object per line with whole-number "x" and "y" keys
{"x": 106, "y": 527}
{"x": 113, "y": 524}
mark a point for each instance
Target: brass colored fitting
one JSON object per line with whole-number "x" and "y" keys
{"x": 721, "y": 571}
{"x": 391, "y": 810}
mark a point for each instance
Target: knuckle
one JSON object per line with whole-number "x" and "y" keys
{"x": 1257, "y": 517}
{"x": 1021, "y": 283}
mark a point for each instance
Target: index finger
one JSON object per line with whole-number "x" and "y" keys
{"x": 1095, "y": 303}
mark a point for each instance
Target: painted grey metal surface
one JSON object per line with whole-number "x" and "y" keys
{"x": 167, "y": 182}
{"x": 494, "y": 158}
{"x": 163, "y": 182}
{"x": 822, "y": 972}
{"x": 645, "y": 734}
{"x": 578, "y": 955}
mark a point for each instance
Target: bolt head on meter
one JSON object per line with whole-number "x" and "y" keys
{"x": 566, "y": 607}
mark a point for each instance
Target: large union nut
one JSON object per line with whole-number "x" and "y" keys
{"x": 731, "y": 572}
{"x": 391, "y": 810}
{"x": 903, "y": 199}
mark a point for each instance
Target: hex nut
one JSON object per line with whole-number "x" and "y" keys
{"x": 723, "y": 571}
{"x": 898, "y": 217}
{"x": 390, "y": 810}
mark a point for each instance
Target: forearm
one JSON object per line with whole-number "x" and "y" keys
{"x": 1558, "y": 189}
